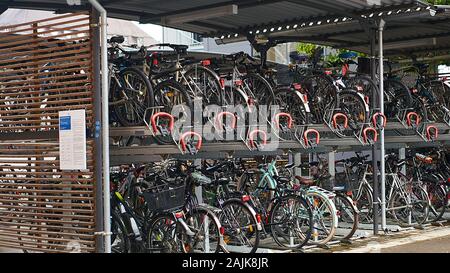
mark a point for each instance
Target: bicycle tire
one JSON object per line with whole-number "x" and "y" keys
{"x": 353, "y": 105}
{"x": 177, "y": 90}
{"x": 146, "y": 100}
{"x": 118, "y": 226}
{"x": 192, "y": 220}
{"x": 346, "y": 213}
{"x": 212, "y": 92}
{"x": 163, "y": 233}
{"x": 322, "y": 95}
{"x": 368, "y": 88}
{"x": 289, "y": 102}
{"x": 251, "y": 227}
{"x": 364, "y": 203}
{"x": 438, "y": 199}
{"x": 306, "y": 217}
{"x": 260, "y": 89}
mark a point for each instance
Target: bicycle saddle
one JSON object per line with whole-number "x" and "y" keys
{"x": 304, "y": 181}
{"x": 181, "y": 49}
{"x": 234, "y": 56}
{"x": 117, "y": 39}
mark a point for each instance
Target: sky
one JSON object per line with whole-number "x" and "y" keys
{"x": 154, "y": 31}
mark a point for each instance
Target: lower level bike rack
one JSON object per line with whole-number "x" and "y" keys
{"x": 185, "y": 143}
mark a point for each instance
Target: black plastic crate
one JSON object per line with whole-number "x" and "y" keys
{"x": 164, "y": 198}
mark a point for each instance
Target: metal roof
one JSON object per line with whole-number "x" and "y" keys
{"x": 337, "y": 23}
{"x": 251, "y": 14}
{"x": 408, "y": 31}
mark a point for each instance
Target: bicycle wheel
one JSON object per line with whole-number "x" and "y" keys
{"x": 241, "y": 231}
{"x": 207, "y": 228}
{"x": 132, "y": 98}
{"x": 441, "y": 96}
{"x": 324, "y": 217}
{"x": 397, "y": 97}
{"x": 166, "y": 236}
{"x": 258, "y": 88}
{"x": 170, "y": 94}
{"x": 120, "y": 242}
{"x": 364, "y": 203}
{"x": 289, "y": 102}
{"x": 438, "y": 199}
{"x": 291, "y": 222}
{"x": 398, "y": 207}
{"x": 366, "y": 86}
{"x": 420, "y": 204}
{"x": 348, "y": 217}
{"x": 353, "y": 105}
{"x": 322, "y": 94}
{"x": 207, "y": 83}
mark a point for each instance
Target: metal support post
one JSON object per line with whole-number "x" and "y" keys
{"x": 382, "y": 148}
{"x": 298, "y": 161}
{"x": 331, "y": 163}
{"x": 373, "y": 68}
{"x": 99, "y": 227}
{"x": 105, "y": 122}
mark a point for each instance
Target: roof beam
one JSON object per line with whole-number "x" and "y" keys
{"x": 317, "y": 5}
{"x": 156, "y": 18}
{"x": 198, "y": 15}
{"x": 436, "y": 35}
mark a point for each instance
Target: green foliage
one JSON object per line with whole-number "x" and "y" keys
{"x": 306, "y": 48}
{"x": 438, "y": 2}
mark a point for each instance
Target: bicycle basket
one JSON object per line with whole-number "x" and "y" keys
{"x": 164, "y": 198}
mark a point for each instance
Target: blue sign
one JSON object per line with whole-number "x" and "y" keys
{"x": 65, "y": 123}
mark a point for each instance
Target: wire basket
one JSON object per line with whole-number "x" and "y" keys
{"x": 165, "y": 198}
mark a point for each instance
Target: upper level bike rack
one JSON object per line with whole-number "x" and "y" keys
{"x": 366, "y": 134}
{"x": 446, "y": 115}
{"x": 411, "y": 120}
{"x": 185, "y": 143}
{"x": 283, "y": 127}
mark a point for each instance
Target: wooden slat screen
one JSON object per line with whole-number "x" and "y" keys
{"x": 45, "y": 67}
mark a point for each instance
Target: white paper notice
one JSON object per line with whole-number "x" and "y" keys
{"x": 72, "y": 140}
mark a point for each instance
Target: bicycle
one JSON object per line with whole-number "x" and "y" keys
{"x": 286, "y": 215}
